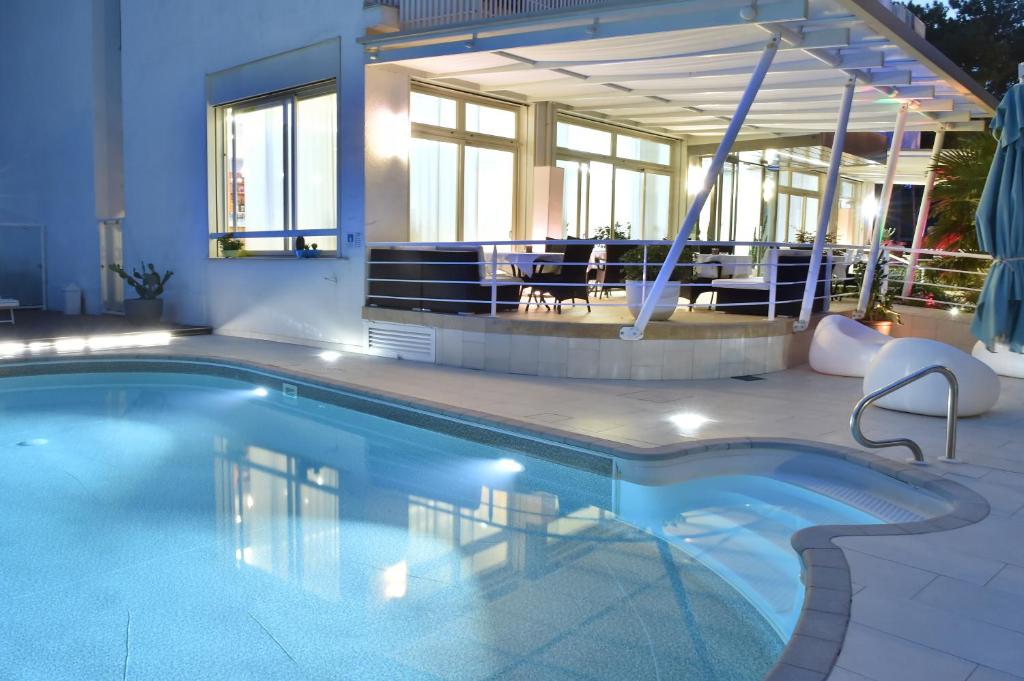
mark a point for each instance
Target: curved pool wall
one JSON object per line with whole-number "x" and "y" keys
{"x": 817, "y": 634}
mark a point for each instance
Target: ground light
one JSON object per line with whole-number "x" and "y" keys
{"x": 330, "y": 355}
{"x": 689, "y": 422}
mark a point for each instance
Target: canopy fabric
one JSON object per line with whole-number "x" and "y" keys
{"x": 1000, "y": 225}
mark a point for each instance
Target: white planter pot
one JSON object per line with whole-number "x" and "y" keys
{"x": 638, "y": 291}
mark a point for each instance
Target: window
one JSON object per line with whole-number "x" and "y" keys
{"x": 278, "y": 163}
{"x": 462, "y": 167}
{"x": 799, "y": 204}
{"x": 614, "y": 178}
{"x": 740, "y": 204}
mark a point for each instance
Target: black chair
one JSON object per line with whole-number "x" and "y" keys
{"x": 567, "y": 281}
{"x": 699, "y": 284}
{"x": 614, "y": 269}
{"x": 401, "y": 268}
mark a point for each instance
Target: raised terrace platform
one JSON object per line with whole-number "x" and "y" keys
{"x": 32, "y": 326}
{"x": 577, "y": 344}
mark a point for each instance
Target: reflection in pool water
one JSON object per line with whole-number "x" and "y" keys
{"x": 179, "y": 526}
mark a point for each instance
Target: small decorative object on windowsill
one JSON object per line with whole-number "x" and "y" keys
{"x": 148, "y": 308}
{"x": 637, "y": 288}
{"x": 304, "y": 250}
{"x": 230, "y": 247}
{"x": 880, "y": 314}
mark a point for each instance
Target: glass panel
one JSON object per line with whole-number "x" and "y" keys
{"x": 726, "y": 222}
{"x": 433, "y": 191}
{"x": 432, "y": 110}
{"x": 570, "y": 198}
{"x": 488, "y": 120}
{"x": 316, "y": 153}
{"x": 260, "y": 174}
{"x": 805, "y": 181}
{"x": 846, "y": 213}
{"x": 656, "y": 206}
{"x": 629, "y": 196}
{"x": 694, "y": 185}
{"x": 584, "y": 139}
{"x": 748, "y": 205}
{"x": 488, "y": 195}
{"x": 795, "y": 221}
{"x": 639, "y": 149}
{"x": 811, "y": 215}
{"x": 599, "y": 197}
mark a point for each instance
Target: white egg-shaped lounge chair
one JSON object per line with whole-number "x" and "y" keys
{"x": 979, "y": 385}
{"x": 844, "y": 347}
{"x": 1002, "y": 361}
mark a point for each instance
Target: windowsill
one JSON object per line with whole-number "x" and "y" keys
{"x": 324, "y": 255}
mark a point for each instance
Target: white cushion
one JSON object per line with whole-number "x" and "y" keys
{"x": 844, "y": 347}
{"x": 1002, "y": 361}
{"x": 979, "y": 385}
{"x": 749, "y": 283}
{"x": 8, "y": 303}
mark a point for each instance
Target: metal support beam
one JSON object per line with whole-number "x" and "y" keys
{"x": 883, "y": 210}
{"x": 827, "y": 201}
{"x": 924, "y": 211}
{"x": 636, "y": 332}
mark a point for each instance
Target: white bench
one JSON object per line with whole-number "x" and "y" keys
{"x": 8, "y": 304}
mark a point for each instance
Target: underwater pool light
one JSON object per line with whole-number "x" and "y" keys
{"x": 509, "y": 466}
{"x": 260, "y": 391}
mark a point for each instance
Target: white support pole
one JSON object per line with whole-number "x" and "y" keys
{"x": 636, "y": 332}
{"x": 924, "y": 211}
{"x": 883, "y": 211}
{"x": 827, "y": 201}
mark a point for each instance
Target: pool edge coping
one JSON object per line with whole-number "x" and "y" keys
{"x": 814, "y": 646}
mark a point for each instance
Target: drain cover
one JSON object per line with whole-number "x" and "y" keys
{"x": 748, "y": 377}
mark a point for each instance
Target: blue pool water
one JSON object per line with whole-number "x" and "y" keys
{"x": 163, "y": 526}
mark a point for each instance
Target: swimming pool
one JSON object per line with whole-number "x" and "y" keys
{"x": 177, "y": 525}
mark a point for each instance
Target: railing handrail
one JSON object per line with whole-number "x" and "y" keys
{"x": 932, "y": 251}
{"x": 952, "y": 400}
{"x": 596, "y": 242}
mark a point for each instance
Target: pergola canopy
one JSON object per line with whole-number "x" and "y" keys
{"x": 679, "y": 68}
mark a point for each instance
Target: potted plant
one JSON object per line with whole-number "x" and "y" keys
{"x": 615, "y": 233}
{"x": 880, "y": 314}
{"x": 149, "y": 284}
{"x": 304, "y": 250}
{"x": 230, "y": 247}
{"x": 637, "y": 288}
{"x": 805, "y": 239}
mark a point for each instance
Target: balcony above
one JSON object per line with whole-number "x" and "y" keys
{"x": 414, "y": 15}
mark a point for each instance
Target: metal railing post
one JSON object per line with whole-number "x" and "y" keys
{"x": 924, "y": 211}
{"x": 636, "y": 331}
{"x": 883, "y": 210}
{"x": 643, "y": 279}
{"x": 494, "y": 280}
{"x": 827, "y": 201}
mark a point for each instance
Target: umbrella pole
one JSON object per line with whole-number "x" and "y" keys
{"x": 883, "y": 210}
{"x": 925, "y": 210}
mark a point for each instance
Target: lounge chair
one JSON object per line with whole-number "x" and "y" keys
{"x": 8, "y": 304}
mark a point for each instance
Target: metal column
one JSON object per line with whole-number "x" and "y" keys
{"x": 883, "y": 210}
{"x": 925, "y": 210}
{"x": 827, "y": 201}
{"x": 636, "y": 332}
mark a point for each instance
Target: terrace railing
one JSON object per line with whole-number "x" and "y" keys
{"x": 422, "y": 14}
{"x": 944, "y": 279}
{"x": 399, "y": 275}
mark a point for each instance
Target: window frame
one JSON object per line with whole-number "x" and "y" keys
{"x": 462, "y": 138}
{"x": 616, "y": 162}
{"x": 222, "y": 222}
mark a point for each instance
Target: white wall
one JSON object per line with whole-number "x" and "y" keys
{"x": 169, "y": 48}
{"x": 46, "y": 136}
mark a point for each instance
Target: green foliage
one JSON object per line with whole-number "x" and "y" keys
{"x": 960, "y": 179}
{"x": 148, "y": 283}
{"x": 655, "y": 256}
{"x": 984, "y": 37}
{"x": 614, "y": 233}
{"x": 228, "y": 242}
{"x": 882, "y": 299}
{"x": 806, "y": 237}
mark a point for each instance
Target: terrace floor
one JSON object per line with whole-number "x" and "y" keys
{"x": 945, "y": 606}
{"x": 42, "y": 325}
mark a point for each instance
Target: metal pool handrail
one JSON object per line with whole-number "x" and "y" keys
{"x": 951, "y": 414}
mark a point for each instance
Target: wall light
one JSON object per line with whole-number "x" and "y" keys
{"x": 768, "y": 190}
{"x": 388, "y": 134}
{"x": 869, "y": 205}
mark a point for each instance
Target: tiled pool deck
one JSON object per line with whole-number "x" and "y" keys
{"x": 937, "y": 606}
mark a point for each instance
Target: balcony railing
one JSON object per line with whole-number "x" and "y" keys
{"x": 421, "y": 14}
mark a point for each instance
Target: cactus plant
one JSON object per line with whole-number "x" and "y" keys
{"x": 148, "y": 283}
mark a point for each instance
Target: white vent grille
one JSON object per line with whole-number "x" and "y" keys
{"x": 404, "y": 341}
